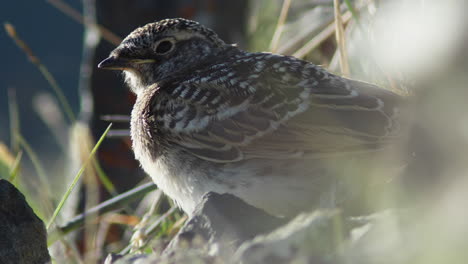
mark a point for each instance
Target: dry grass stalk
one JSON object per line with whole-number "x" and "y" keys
{"x": 340, "y": 39}
{"x": 43, "y": 69}
{"x": 279, "y": 27}
{"x": 320, "y": 37}
{"x": 75, "y": 15}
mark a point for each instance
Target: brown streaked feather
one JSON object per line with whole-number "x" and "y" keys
{"x": 285, "y": 109}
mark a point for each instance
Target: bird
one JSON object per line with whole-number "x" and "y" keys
{"x": 276, "y": 131}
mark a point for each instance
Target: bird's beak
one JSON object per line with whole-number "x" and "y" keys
{"x": 116, "y": 63}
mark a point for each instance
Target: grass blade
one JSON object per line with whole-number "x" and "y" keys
{"x": 107, "y": 206}
{"x": 77, "y": 177}
{"x": 340, "y": 39}
{"x": 15, "y": 168}
{"x": 83, "y": 142}
{"x": 41, "y": 172}
{"x": 7, "y": 161}
{"x": 14, "y": 120}
{"x": 280, "y": 25}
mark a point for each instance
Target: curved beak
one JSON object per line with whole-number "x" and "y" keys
{"x": 116, "y": 63}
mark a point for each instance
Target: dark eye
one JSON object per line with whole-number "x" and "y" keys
{"x": 164, "y": 46}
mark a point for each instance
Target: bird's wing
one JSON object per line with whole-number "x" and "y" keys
{"x": 334, "y": 124}
{"x": 276, "y": 107}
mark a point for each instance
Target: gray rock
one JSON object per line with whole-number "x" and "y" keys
{"x": 223, "y": 222}
{"x": 23, "y": 237}
{"x": 308, "y": 238}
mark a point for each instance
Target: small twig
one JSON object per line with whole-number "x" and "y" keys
{"x": 149, "y": 232}
{"x": 119, "y": 133}
{"x": 280, "y": 25}
{"x": 75, "y": 15}
{"x": 340, "y": 39}
{"x": 178, "y": 224}
{"x": 319, "y": 38}
{"x": 138, "y": 238}
{"x": 291, "y": 44}
{"x": 116, "y": 118}
{"x": 43, "y": 69}
{"x": 104, "y": 207}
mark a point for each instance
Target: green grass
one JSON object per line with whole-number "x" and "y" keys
{"x": 77, "y": 177}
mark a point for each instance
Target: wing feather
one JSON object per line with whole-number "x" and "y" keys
{"x": 284, "y": 108}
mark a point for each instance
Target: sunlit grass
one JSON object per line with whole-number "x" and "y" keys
{"x": 77, "y": 177}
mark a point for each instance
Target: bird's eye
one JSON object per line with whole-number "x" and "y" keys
{"x": 164, "y": 47}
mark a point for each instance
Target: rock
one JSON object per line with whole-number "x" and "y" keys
{"x": 223, "y": 222}
{"x": 308, "y": 238}
{"x": 23, "y": 236}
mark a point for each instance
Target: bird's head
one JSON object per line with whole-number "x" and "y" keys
{"x": 157, "y": 50}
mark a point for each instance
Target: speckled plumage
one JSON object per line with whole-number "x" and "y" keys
{"x": 265, "y": 127}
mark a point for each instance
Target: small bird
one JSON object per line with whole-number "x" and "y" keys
{"x": 275, "y": 131}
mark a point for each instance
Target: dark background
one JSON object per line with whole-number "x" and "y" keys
{"x": 57, "y": 40}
